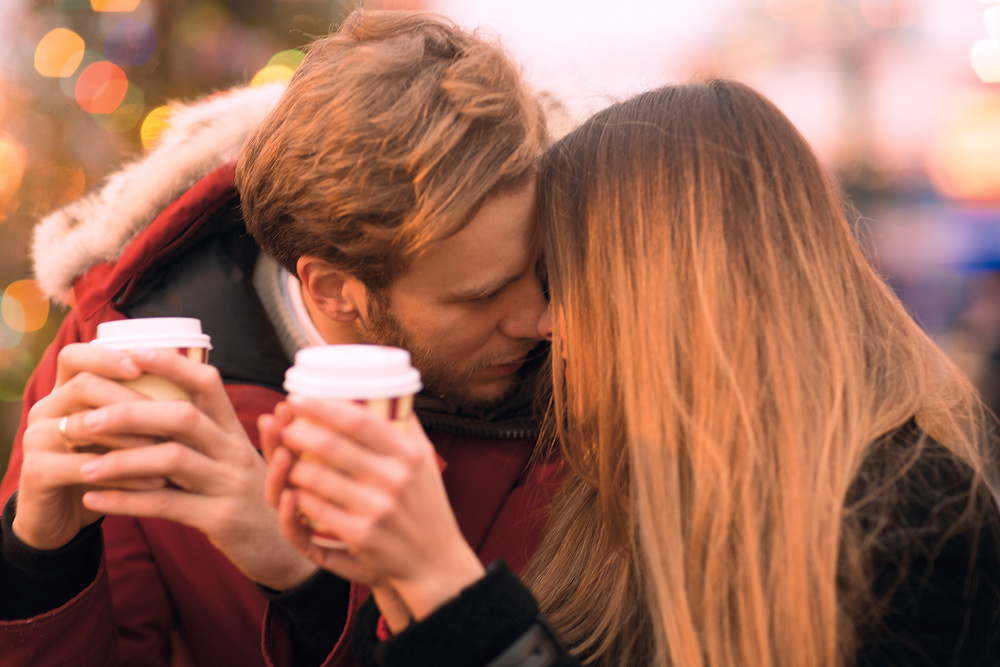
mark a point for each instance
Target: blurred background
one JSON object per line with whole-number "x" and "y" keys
{"x": 885, "y": 90}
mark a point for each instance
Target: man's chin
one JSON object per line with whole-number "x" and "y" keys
{"x": 482, "y": 395}
{"x": 494, "y": 395}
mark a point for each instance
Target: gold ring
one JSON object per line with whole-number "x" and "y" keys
{"x": 63, "y": 423}
{"x": 328, "y": 542}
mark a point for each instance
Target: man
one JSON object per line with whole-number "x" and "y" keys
{"x": 392, "y": 185}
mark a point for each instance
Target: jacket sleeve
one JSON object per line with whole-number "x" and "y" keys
{"x": 493, "y": 623}
{"x": 80, "y": 632}
{"x": 127, "y": 581}
{"x": 35, "y": 581}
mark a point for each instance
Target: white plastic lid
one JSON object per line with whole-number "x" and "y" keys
{"x": 352, "y": 372}
{"x": 181, "y": 332}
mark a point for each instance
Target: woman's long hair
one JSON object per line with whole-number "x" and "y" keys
{"x": 731, "y": 357}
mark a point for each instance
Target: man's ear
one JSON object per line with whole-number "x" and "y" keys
{"x": 336, "y": 293}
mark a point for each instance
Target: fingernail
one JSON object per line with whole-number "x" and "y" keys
{"x": 94, "y": 419}
{"x": 89, "y": 469}
{"x": 93, "y": 498}
{"x": 296, "y": 400}
{"x": 144, "y": 353}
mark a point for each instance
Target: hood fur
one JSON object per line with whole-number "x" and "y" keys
{"x": 202, "y": 136}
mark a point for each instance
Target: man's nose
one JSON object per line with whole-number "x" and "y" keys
{"x": 527, "y": 306}
{"x": 545, "y": 323}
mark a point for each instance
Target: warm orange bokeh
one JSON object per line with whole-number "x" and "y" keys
{"x": 101, "y": 87}
{"x": 114, "y": 5}
{"x": 962, "y": 161}
{"x": 24, "y": 306}
{"x": 59, "y": 53}
{"x": 153, "y": 126}
{"x": 12, "y": 162}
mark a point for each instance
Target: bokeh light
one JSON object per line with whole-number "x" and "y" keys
{"x": 114, "y": 5}
{"x": 11, "y": 323}
{"x": 963, "y": 160}
{"x": 59, "y": 53}
{"x": 985, "y": 56}
{"x": 290, "y": 58}
{"x": 12, "y": 163}
{"x": 130, "y": 42}
{"x": 279, "y": 68}
{"x": 272, "y": 74}
{"x": 101, "y": 88}
{"x": 24, "y": 306}
{"x": 128, "y": 114}
{"x": 68, "y": 83}
{"x": 153, "y": 126}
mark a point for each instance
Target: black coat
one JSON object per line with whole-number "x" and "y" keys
{"x": 935, "y": 572}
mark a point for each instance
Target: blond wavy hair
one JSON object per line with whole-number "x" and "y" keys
{"x": 391, "y": 134}
{"x": 731, "y": 358}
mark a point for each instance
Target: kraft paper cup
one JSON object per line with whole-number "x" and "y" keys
{"x": 379, "y": 377}
{"x": 181, "y": 335}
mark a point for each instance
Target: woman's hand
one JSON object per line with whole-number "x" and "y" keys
{"x": 378, "y": 488}
{"x": 49, "y": 509}
{"x": 210, "y": 476}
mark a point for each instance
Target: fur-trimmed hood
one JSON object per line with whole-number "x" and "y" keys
{"x": 97, "y": 227}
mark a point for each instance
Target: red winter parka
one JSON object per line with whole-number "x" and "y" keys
{"x": 162, "y": 594}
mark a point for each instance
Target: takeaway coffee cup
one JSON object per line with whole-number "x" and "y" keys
{"x": 379, "y": 377}
{"x": 182, "y": 335}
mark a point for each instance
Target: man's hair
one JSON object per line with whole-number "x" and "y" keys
{"x": 390, "y": 136}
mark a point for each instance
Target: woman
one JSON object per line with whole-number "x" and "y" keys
{"x": 767, "y": 462}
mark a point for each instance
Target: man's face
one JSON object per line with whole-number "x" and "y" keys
{"x": 468, "y": 309}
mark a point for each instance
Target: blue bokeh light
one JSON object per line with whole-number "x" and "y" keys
{"x": 130, "y": 42}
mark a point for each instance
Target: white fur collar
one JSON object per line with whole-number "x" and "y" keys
{"x": 97, "y": 227}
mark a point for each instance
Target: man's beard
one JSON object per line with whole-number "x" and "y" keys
{"x": 441, "y": 378}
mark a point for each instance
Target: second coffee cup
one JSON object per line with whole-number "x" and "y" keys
{"x": 379, "y": 377}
